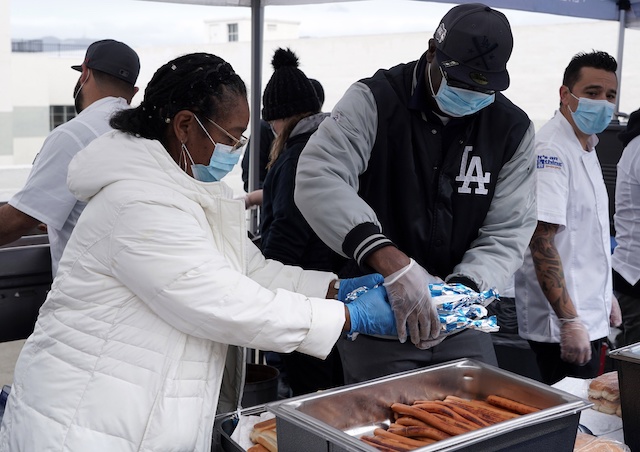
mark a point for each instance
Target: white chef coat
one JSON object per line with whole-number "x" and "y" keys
{"x": 45, "y": 195}
{"x": 571, "y": 193}
{"x": 626, "y": 256}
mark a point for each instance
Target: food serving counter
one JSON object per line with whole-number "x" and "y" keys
{"x": 334, "y": 420}
{"x": 25, "y": 279}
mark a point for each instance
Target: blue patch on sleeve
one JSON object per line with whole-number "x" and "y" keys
{"x": 551, "y": 162}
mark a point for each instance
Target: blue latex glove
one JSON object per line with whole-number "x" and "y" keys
{"x": 371, "y": 314}
{"x": 348, "y": 285}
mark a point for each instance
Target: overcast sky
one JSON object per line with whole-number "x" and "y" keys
{"x": 140, "y": 22}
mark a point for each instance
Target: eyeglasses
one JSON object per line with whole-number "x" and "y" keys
{"x": 238, "y": 142}
{"x": 458, "y": 84}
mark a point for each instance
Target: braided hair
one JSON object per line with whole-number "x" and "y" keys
{"x": 198, "y": 82}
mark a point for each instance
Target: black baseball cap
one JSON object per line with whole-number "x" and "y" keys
{"x": 473, "y": 45}
{"x": 113, "y": 58}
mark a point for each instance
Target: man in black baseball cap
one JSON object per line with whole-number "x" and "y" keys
{"x": 424, "y": 172}
{"x": 106, "y": 84}
{"x": 113, "y": 63}
{"x": 113, "y": 58}
{"x": 473, "y": 44}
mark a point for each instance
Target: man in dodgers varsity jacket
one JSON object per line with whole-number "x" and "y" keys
{"x": 424, "y": 172}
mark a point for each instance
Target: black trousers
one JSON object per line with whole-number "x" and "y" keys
{"x": 553, "y": 369}
{"x": 307, "y": 374}
{"x": 370, "y": 357}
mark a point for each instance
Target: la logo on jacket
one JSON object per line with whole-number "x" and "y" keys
{"x": 471, "y": 172}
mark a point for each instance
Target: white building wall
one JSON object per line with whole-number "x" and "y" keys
{"x": 6, "y": 144}
{"x": 43, "y": 79}
{"x": 39, "y": 81}
{"x": 540, "y": 55}
{"x": 273, "y": 30}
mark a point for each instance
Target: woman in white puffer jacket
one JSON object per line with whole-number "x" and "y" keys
{"x": 159, "y": 289}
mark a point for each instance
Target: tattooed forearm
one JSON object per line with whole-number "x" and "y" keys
{"x": 549, "y": 269}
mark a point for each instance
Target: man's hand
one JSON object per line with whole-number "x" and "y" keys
{"x": 14, "y": 224}
{"x": 410, "y": 299}
{"x": 575, "y": 346}
{"x": 615, "y": 318}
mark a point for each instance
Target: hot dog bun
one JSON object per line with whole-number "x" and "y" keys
{"x": 605, "y": 387}
{"x": 588, "y": 443}
{"x": 604, "y": 392}
{"x": 264, "y": 434}
{"x": 604, "y": 405}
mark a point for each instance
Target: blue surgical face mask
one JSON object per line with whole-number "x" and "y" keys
{"x": 223, "y": 159}
{"x": 458, "y": 102}
{"x": 592, "y": 116}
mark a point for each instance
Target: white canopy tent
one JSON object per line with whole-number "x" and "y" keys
{"x": 626, "y": 12}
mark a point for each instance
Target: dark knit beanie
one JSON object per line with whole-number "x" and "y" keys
{"x": 289, "y": 92}
{"x": 319, "y": 90}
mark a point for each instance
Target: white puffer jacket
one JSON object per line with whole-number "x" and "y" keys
{"x": 129, "y": 349}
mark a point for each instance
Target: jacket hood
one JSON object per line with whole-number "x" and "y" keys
{"x": 632, "y": 130}
{"x": 117, "y": 156}
{"x": 309, "y": 124}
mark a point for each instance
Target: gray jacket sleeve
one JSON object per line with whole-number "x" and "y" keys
{"x": 505, "y": 234}
{"x": 327, "y": 176}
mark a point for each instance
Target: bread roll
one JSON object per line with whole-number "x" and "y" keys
{"x": 604, "y": 392}
{"x": 604, "y": 405}
{"x": 257, "y": 448}
{"x": 264, "y": 434}
{"x": 589, "y": 443}
{"x": 605, "y": 387}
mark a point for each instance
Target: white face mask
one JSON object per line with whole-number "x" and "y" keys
{"x": 273, "y": 131}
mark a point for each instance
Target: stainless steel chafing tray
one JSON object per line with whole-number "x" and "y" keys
{"x": 333, "y": 420}
{"x": 628, "y": 365}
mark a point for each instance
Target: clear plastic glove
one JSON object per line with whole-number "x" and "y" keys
{"x": 348, "y": 285}
{"x": 615, "y": 318}
{"x": 371, "y": 314}
{"x": 575, "y": 346}
{"x": 425, "y": 345}
{"x": 410, "y": 299}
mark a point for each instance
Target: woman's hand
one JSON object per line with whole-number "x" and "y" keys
{"x": 348, "y": 285}
{"x": 371, "y": 314}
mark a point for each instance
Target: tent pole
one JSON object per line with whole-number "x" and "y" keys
{"x": 257, "y": 20}
{"x": 623, "y": 17}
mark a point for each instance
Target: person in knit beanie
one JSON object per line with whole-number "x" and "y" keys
{"x": 292, "y": 108}
{"x": 289, "y": 92}
{"x": 317, "y": 86}
{"x": 626, "y": 256}
{"x": 266, "y": 139}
